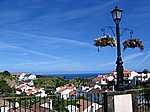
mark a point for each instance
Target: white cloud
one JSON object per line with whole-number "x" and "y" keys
{"x": 146, "y": 57}
{"x": 47, "y": 40}
{"x": 127, "y": 58}
{"x": 109, "y": 63}
{"x": 27, "y": 51}
{"x": 132, "y": 56}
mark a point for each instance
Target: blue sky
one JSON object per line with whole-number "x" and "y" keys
{"x": 57, "y": 35}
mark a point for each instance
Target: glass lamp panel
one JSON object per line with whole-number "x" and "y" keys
{"x": 118, "y": 14}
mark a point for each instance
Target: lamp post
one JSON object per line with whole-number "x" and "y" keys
{"x": 117, "y": 15}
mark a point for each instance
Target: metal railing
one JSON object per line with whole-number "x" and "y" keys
{"x": 52, "y": 103}
{"x": 144, "y": 100}
{"x": 80, "y": 102}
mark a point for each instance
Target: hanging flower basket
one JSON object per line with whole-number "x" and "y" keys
{"x": 103, "y": 41}
{"x": 133, "y": 43}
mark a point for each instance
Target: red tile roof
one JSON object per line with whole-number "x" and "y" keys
{"x": 18, "y": 74}
{"x": 93, "y": 90}
{"x": 36, "y": 89}
{"x": 72, "y": 92}
{"x": 30, "y": 92}
{"x": 21, "y": 86}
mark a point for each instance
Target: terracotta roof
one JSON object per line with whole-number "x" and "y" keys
{"x": 72, "y": 92}
{"x": 93, "y": 90}
{"x": 65, "y": 88}
{"x": 30, "y": 92}
{"x": 18, "y": 74}
{"x": 36, "y": 89}
{"x": 60, "y": 91}
{"x": 21, "y": 86}
{"x": 98, "y": 79}
{"x": 127, "y": 71}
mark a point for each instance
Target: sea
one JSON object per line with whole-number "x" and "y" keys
{"x": 70, "y": 76}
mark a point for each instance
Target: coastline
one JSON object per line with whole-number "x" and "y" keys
{"x": 70, "y": 76}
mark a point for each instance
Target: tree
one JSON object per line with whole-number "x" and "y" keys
{"x": 145, "y": 71}
{"x": 6, "y": 73}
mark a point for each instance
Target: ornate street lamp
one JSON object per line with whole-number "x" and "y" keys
{"x": 108, "y": 40}
{"x": 117, "y": 15}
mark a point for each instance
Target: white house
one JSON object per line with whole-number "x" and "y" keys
{"x": 29, "y": 77}
{"x": 132, "y": 74}
{"x": 143, "y": 77}
{"x": 20, "y": 75}
{"x": 38, "y": 92}
{"x": 28, "y": 82}
{"x": 64, "y": 92}
{"x": 71, "y": 108}
{"x": 101, "y": 80}
{"x": 72, "y": 95}
{"x": 47, "y": 104}
{"x": 23, "y": 88}
{"x": 85, "y": 106}
{"x": 95, "y": 95}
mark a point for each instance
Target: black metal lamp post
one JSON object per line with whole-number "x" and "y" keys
{"x": 117, "y": 15}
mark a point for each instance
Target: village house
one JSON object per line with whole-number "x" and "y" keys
{"x": 23, "y": 88}
{"x": 64, "y": 91}
{"x": 29, "y": 77}
{"x": 84, "y": 106}
{"x": 22, "y": 76}
{"x": 40, "y": 93}
{"x": 72, "y": 95}
{"x": 28, "y": 82}
{"x": 130, "y": 78}
{"x": 28, "y": 90}
{"x": 91, "y": 94}
{"x": 19, "y": 76}
{"x": 26, "y": 85}
{"x": 95, "y": 95}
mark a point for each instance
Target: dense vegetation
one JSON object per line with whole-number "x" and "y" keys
{"x": 80, "y": 81}
{"x": 52, "y": 82}
{"x": 5, "y": 88}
